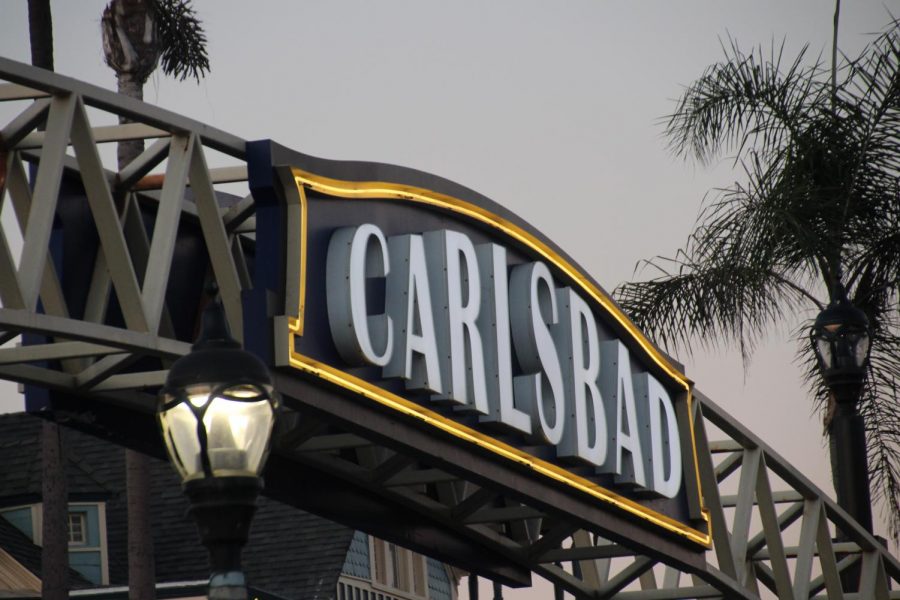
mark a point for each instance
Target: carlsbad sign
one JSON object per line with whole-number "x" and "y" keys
{"x": 444, "y": 307}
{"x": 456, "y": 316}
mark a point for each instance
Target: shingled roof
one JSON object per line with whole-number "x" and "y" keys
{"x": 20, "y": 547}
{"x": 290, "y": 553}
{"x": 20, "y": 465}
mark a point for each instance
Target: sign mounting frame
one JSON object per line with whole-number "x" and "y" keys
{"x": 306, "y": 181}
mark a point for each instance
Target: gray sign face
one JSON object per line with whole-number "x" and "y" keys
{"x": 471, "y": 323}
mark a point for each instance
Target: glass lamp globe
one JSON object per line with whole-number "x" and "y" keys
{"x": 841, "y": 340}
{"x": 218, "y": 406}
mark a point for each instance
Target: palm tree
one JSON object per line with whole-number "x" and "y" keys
{"x": 40, "y": 33}
{"x": 819, "y": 210}
{"x": 54, "y": 518}
{"x": 138, "y": 35}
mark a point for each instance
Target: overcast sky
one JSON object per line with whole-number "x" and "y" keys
{"x": 552, "y": 109}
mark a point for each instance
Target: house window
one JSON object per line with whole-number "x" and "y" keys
{"x": 77, "y": 528}
{"x": 398, "y": 570}
{"x": 87, "y": 541}
{"x": 397, "y": 580}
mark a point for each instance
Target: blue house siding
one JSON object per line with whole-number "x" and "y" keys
{"x": 21, "y": 519}
{"x": 87, "y": 563}
{"x": 439, "y": 586}
{"x": 356, "y": 564}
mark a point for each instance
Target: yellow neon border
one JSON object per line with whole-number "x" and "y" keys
{"x": 391, "y": 191}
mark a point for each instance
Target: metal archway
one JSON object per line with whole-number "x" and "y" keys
{"x": 102, "y": 354}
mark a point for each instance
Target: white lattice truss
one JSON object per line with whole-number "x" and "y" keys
{"x": 768, "y": 542}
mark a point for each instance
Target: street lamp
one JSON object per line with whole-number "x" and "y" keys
{"x": 216, "y": 413}
{"x": 841, "y": 338}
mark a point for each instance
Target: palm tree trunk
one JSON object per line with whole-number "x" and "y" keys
{"x": 141, "y": 565}
{"x": 130, "y": 86}
{"x": 498, "y": 591}
{"x": 141, "y": 575}
{"x": 40, "y": 32}
{"x": 130, "y": 51}
{"x": 54, "y": 520}
{"x": 834, "y": 52}
{"x": 473, "y": 586}
{"x": 55, "y": 539}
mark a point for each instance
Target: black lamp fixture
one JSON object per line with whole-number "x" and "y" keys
{"x": 841, "y": 340}
{"x": 216, "y": 413}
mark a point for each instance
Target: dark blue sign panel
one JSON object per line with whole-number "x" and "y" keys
{"x": 433, "y": 302}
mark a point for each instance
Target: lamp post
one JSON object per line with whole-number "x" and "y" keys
{"x": 841, "y": 339}
{"x": 216, "y": 413}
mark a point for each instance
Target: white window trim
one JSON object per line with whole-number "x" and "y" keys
{"x": 82, "y": 517}
{"x": 409, "y": 556}
{"x": 104, "y": 550}
{"x": 102, "y": 547}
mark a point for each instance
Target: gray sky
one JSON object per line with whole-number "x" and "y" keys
{"x": 551, "y": 109}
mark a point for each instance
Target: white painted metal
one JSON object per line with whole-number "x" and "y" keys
{"x": 223, "y": 266}
{"x": 46, "y": 193}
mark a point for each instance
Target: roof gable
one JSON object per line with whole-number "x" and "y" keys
{"x": 290, "y": 553}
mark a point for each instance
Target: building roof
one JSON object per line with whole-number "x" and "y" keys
{"x": 290, "y": 553}
{"x": 25, "y": 552}
{"x": 20, "y": 476}
{"x": 20, "y": 465}
{"x": 20, "y": 547}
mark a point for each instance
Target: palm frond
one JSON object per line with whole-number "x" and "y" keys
{"x": 712, "y": 304}
{"x": 182, "y": 40}
{"x": 819, "y": 205}
{"x": 746, "y": 100}
{"x": 873, "y": 82}
{"x": 879, "y": 409}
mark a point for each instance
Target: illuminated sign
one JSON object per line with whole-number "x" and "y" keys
{"x": 455, "y": 320}
{"x": 455, "y": 313}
